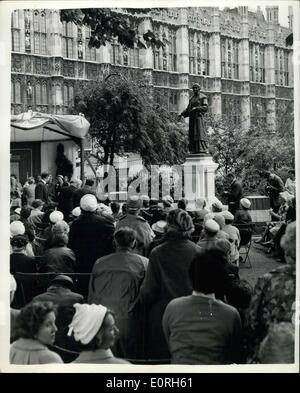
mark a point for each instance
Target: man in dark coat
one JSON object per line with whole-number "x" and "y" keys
{"x": 65, "y": 198}
{"x": 133, "y": 220}
{"x": 41, "y": 189}
{"x": 274, "y": 187}
{"x": 197, "y": 107}
{"x": 91, "y": 235}
{"x": 61, "y": 293}
{"x": 235, "y": 194}
{"x": 86, "y": 189}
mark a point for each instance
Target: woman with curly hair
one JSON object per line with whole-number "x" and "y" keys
{"x": 35, "y": 330}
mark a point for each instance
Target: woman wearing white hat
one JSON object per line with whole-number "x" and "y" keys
{"x": 242, "y": 216}
{"x": 93, "y": 326}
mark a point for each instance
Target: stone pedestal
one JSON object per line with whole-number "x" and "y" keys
{"x": 199, "y": 178}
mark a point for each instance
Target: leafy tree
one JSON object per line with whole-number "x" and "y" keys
{"x": 124, "y": 118}
{"x": 248, "y": 153}
{"x": 108, "y": 24}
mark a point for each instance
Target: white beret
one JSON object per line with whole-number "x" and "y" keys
{"x": 87, "y": 321}
{"x": 56, "y": 216}
{"x": 88, "y": 203}
{"x": 76, "y": 211}
{"x": 217, "y": 205}
{"x": 17, "y": 228}
{"x": 159, "y": 226}
{"x": 211, "y": 226}
{"x": 245, "y": 203}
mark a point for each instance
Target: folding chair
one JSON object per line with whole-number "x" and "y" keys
{"x": 246, "y": 232}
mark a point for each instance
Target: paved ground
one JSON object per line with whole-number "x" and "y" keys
{"x": 261, "y": 264}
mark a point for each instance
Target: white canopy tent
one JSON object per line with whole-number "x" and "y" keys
{"x": 44, "y": 127}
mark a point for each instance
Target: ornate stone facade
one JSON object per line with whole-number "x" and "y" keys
{"x": 236, "y": 56}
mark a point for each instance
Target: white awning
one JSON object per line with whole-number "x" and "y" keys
{"x": 36, "y": 126}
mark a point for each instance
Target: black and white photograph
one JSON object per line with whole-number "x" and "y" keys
{"x": 149, "y": 166}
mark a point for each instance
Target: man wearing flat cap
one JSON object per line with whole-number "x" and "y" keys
{"x": 195, "y": 110}
{"x": 133, "y": 220}
{"x": 61, "y": 292}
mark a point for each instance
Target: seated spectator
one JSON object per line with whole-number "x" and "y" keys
{"x": 18, "y": 228}
{"x": 242, "y": 216}
{"x": 234, "y": 236}
{"x": 223, "y": 246}
{"x": 278, "y": 287}
{"x": 37, "y": 206}
{"x": 15, "y": 215}
{"x": 93, "y": 326}
{"x": 115, "y": 283}
{"x": 209, "y": 235}
{"x": 199, "y": 328}
{"x": 277, "y": 219}
{"x": 54, "y": 218}
{"x": 59, "y": 258}
{"x": 221, "y": 221}
{"x": 36, "y": 330}
{"x": 217, "y": 206}
{"x": 200, "y": 211}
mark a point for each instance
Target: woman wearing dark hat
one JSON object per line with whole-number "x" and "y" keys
{"x": 167, "y": 278}
{"x": 195, "y": 110}
{"x": 36, "y": 330}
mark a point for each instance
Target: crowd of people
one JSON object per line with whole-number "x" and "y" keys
{"x": 144, "y": 281}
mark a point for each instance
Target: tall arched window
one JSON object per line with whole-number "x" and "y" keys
{"x": 68, "y": 40}
{"x": 66, "y": 96}
{"x": 38, "y": 94}
{"x": 199, "y": 53}
{"x": 39, "y": 27}
{"x": 257, "y": 63}
{"x": 15, "y": 31}
{"x": 90, "y": 53}
{"x": 281, "y": 67}
{"x": 229, "y": 58}
{"x": 44, "y": 94}
{"x": 18, "y": 92}
{"x": 71, "y": 95}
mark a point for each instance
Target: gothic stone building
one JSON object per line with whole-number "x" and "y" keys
{"x": 239, "y": 58}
